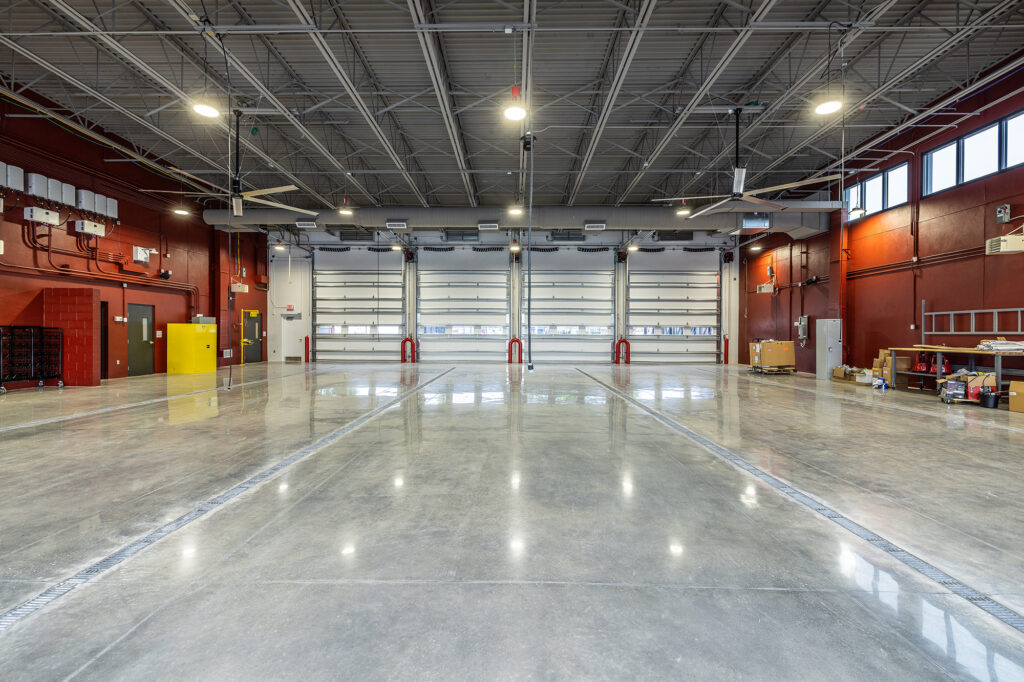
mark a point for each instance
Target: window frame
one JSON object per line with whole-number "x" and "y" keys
{"x": 1002, "y": 155}
{"x": 861, "y": 195}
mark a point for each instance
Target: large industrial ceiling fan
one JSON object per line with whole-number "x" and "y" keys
{"x": 738, "y": 178}
{"x": 236, "y": 195}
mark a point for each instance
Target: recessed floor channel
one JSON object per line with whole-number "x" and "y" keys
{"x": 486, "y": 522}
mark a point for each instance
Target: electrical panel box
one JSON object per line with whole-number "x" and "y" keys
{"x": 828, "y": 347}
{"x": 85, "y": 200}
{"x": 111, "y": 208}
{"x": 191, "y": 348}
{"x": 140, "y": 254}
{"x": 766, "y": 288}
{"x": 53, "y": 190}
{"x": 1003, "y": 213}
{"x": 90, "y": 227}
{"x": 15, "y": 178}
{"x": 67, "y": 194}
{"x": 35, "y": 214}
{"x": 3, "y": 174}
{"x": 239, "y": 288}
{"x": 100, "y": 204}
{"x": 801, "y": 328}
{"x": 37, "y": 185}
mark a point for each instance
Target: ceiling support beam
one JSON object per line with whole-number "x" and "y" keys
{"x": 211, "y": 39}
{"x": 137, "y": 63}
{"x": 92, "y": 92}
{"x": 432, "y": 54}
{"x": 954, "y": 41}
{"x": 102, "y": 139}
{"x": 643, "y": 16}
{"x": 529, "y": 37}
{"x": 353, "y": 92}
{"x": 808, "y": 75}
{"x": 699, "y": 96}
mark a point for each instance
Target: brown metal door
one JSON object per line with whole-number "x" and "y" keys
{"x": 252, "y": 336}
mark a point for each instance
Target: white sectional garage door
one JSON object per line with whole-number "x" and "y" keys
{"x": 463, "y": 313}
{"x": 573, "y": 307}
{"x": 674, "y": 315}
{"x": 357, "y": 311}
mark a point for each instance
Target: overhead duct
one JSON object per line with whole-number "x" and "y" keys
{"x": 544, "y": 217}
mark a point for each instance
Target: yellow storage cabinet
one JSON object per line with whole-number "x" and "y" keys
{"x": 191, "y": 348}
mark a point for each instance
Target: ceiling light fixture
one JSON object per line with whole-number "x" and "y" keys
{"x": 857, "y": 212}
{"x": 514, "y": 246}
{"x": 205, "y": 110}
{"x": 279, "y": 247}
{"x": 830, "y": 106}
{"x": 515, "y": 111}
{"x": 756, "y": 247}
{"x": 515, "y": 210}
{"x": 396, "y": 247}
{"x": 632, "y": 248}
{"x": 182, "y": 211}
{"x": 345, "y": 208}
{"x": 683, "y": 209}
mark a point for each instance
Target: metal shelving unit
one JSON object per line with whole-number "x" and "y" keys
{"x": 31, "y": 354}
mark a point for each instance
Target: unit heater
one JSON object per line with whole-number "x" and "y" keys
{"x": 1008, "y": 243}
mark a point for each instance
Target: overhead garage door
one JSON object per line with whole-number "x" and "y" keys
{"x": 357, "y": 312}
{"x": 674, "y": 316}
{"x": 573, "y": 306}
{"x": 463, "y": 305}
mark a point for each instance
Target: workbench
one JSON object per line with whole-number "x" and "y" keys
{"x": 973, "y": 355}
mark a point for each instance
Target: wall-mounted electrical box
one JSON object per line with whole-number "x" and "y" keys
{"x": 85, "y": 200}
{"x": 801, "y": 328}
{"x": 239, "y": 288}
{"x": 41, "y": 215}
{"x": 3, "y": 174}
{"x": 90, "y": 227}
{"x": 111, "y": 211}
{"x": 15, "y": 179}
{"x": 140, "y": 254}
{"x": 766, "y": 288}
{"x": 53, "y": 190}
{"x": 1003, "y": 213}
{"x": 100, "y": 204}
{"x": 67, "y": 194}
{"x": 37, "y": 185}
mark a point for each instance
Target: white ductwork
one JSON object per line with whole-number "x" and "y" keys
{"x": 544, "y": 217}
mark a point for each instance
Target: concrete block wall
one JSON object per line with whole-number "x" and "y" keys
{"x": 76, "y": 311}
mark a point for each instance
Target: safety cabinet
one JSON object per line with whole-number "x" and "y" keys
{"x": 191, "y": 348}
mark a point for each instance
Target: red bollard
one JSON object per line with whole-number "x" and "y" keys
{"x": 412, "y": 348}
{"x": 725, "y": 351}
{"x": 307, "y": 350}
{"x": 515, "y": 340}
{"x": 618, "y": 349}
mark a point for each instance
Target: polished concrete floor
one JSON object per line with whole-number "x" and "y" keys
{"x": 492, "y": 523}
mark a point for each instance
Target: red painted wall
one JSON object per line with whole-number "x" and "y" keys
{"x": 195, "y": 254}
{"x": 944, "y": 232}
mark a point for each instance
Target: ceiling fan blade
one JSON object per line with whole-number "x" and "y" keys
{"x": 798, "y": 183}
{"x": 761, "y": 202}
{"x": 702, "y": 196}
{"x": 709, "y": 207}
{"x": 277, "y": 205}
{"x": 199, "y": 179}
{"x": 269, "y": 190}
{"x": 189, "y": 193}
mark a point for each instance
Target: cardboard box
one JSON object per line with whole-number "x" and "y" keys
{"x": 864, "y": 377}
{"x": 773, "y": 354}
{"x": 1016, "y": 396}
{"x": 839, "y": 373}
{"x": 876, "y": 364}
